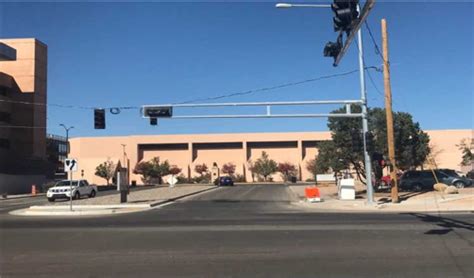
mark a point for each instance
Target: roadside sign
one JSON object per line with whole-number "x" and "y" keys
{"x": 70, "y": 165}
{"x": 172, "y": 180}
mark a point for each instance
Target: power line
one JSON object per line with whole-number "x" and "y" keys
{"x": 373, "y": 83}
{"x": 45, "y": 104}
{"x": 116, "y": 109}
{"x": 271, "y": 88}
{"x": 22, "y": 126}
{"x": 66, "y": 105}
{"x": 377, "y": 48}
{"x": 370, "y": 75}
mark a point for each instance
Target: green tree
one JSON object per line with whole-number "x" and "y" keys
{"x": 411, "y": 143}
{"x": 229, "y": 169}
{"x": 153, "y": 170}
{"x": 313, "y": 168}
{"x": 174, "y": 170}
{"x": 201, "y": 169}
{"x": 144, "y": 168}
{"x": 466, "y": 146}
{"x": 330, "y": 158}
{"x": 105, "y": 170}
{"x": 287, "y": 170}
{"x": 264, "y": 166}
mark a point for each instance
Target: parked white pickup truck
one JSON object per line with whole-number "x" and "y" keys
{"x": 62, "y": 189}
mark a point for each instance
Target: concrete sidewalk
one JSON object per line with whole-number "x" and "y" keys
{"x": 137, "y": 201}
{"x": 409, "y": 201}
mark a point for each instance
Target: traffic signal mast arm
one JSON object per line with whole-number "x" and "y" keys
{"x": 155, "y": 111}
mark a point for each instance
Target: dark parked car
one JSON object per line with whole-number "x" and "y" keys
{"x": 424, "y": 180}
{"x": 226, "y": 180}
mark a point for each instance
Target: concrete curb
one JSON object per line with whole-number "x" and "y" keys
{"x": 457, "y": 198}
{"x": 97, "y": 210}
{"x": 117, "y": 206}
{"x": 29, "y": 212}
{"x": 377, "y": 209}
{"x": 14, "y": 197}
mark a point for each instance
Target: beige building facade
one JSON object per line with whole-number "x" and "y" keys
{"x": 23, "y": 80}
{"x": 241, "y": 149}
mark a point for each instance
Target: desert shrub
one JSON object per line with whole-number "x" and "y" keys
{"x": 239, "y": 178}
{"x": 203, "y": 179}
{"x": 182, "y": 179}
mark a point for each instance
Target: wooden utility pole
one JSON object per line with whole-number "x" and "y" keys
{"x": 388, "y": 110}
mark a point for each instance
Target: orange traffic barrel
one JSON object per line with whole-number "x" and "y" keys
{"x": 33, "y": 190}
{"x": 312, "y": 192}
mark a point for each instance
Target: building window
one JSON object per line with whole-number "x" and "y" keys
{"x": 62, "y": 148}
{"x": 5, "y": 117}
{"x": 4, "y": 143}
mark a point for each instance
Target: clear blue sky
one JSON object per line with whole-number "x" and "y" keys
{"x": 125, "y": 54}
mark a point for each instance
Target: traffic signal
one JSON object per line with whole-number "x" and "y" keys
{"x": 153, "y": 121}
{"x": 99, "y": 118}
{"x": 158, "y": 111}
{"x": 378, "y": 157}
{"x": 332, "y": 49}
{"x": 345, "y": 12}
{"x": 369, "y": 140}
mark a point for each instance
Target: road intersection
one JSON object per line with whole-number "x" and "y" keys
{"x": 241, "y": 231}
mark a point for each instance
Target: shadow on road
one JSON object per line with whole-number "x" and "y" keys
{"x": 226, "y": 201}
{"x": 401, "y": 197}
{"x": 446, "y": 224}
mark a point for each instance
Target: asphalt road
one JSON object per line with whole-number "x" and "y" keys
{"x": 242, "y": 231}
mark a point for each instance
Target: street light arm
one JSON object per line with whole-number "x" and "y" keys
{"x": 67, "y": 137}
{"x": 65, "y": 127}
{"x": 287, "y": 5}
{"x": 282, "y": 5}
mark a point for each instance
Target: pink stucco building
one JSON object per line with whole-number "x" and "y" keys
{"x": 186, "y": 151}
{"x": 23, "y": 80}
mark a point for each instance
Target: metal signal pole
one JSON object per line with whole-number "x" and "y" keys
{"x": 67, "y": 137}
{"x": 388, "y": 110}
{"x": 365, "y": 125}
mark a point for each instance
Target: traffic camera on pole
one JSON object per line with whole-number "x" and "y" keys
{"x": 99, "y": 118}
